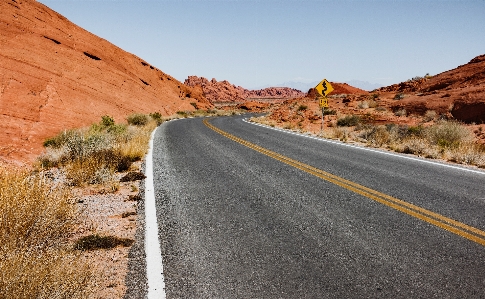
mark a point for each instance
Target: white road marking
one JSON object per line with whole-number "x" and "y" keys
{"x": 368, "y": 149}
{"x": 156, "y": 283}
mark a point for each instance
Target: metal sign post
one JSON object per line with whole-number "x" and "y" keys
{"x": 323, "y": 104}
{"x": 323, "y": 119}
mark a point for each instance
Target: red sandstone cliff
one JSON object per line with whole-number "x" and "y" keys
{"x": 55, "y": 75}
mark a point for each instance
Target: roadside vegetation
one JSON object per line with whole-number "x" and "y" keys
{"x": 38, "y": 214}
{"x": 434, "y": 138}
{"x": 36, "y": 218}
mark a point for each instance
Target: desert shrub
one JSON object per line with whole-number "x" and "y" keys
{"x": 93, "y": 155}
{"x": 340, "y": 133}
{"x": 157, "y": 117}
{"x": 430, "y": 115}
{"x": 329, "y": 112}
{"x": 302, "y": 107}
{"x": 415, "y": 131}
{"x": 447, "y": 134}
{"x": 399, "y": 96}
{"x": 348, "y": 121}
{"x": 107, "y": 121}
{"x": 416, "y": 146}
{"x": 194, "y": 105}
{"x": 98, "y": 167}
{"x": 59, "y": 140}
{"x": 377, "y": 135}
{"x": 373, "y": 104}
{"x": 362, "y": 104}
{"x": 36, "y": 218}
{"x": 468, "y": 153}
{"x": 137, "y": 119}
{"x": 400, "y": 112}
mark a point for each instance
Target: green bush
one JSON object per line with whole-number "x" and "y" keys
{"x": 156, "y": 116}
{"x": 107, "y": 121}
{"x": 137, "y": 119}
{"x": 59, "y": 140}
{"x": 349, "y": 121}
{"x": 415, "y": 131}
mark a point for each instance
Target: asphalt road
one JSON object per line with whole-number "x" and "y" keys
{"x": 236, "y": 223}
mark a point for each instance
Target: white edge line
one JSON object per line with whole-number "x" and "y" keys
{"x": 366, "y": 149}
{"x": 155, "y": 280}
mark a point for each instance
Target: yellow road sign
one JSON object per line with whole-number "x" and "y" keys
{"x": 324, "y": 87}
{"x": 323, "y": 102}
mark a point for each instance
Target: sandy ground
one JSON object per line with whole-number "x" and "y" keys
{"x": 108, "y": 213}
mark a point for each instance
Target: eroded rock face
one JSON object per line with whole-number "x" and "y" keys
{"x": 225, "y": 92}
{"x": 457, "y": 93}
{"x": 55, "y": 75}
{"x": 217, "y": 92}
{"x": 469, "y": 112}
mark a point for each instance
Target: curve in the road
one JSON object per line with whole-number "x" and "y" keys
{"x": 451, "y": 225}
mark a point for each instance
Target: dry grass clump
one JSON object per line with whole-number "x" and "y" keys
{"x": 448, "y": 134}
{"x": 36, "y": 217}
{"x": 430, "y": 115}
{"x": 92, "y": 155}
{"x": 349, "y": 121}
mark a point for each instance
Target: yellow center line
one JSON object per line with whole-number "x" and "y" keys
{"x": 451, "y": 225}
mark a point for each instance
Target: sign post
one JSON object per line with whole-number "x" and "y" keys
{"x": 323, "y": 88}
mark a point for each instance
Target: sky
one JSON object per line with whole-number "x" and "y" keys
{"x": 260, "y": 43}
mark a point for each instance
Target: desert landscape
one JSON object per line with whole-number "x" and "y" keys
{"x": 58, "y": 80}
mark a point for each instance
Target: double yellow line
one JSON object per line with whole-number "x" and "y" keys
{"x": 461, "y": 229}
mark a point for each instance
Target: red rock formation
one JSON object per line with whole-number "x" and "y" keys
{"x": 217, "y": 92}
{"x": 459, "y": 92}
{"x": 338, "y": 89}
{"x": 225, "y": 92}
{"x": 273, "y": 93}
{"x": 55, "y": 75}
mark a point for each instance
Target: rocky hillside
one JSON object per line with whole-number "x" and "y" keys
{"x": 55, "y": 75}
{"x": 225, "y": 92}
{"x": 459, "y": 92}
{"x": 339, "y": 89}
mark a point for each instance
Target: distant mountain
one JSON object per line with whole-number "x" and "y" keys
{"x": 225, "y": 92}
{"x": 302, "y": 86}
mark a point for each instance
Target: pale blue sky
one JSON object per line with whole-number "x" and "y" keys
{"x": 261, "y": 43}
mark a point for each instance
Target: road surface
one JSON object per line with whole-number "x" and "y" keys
{"x": 246, "y": 211}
